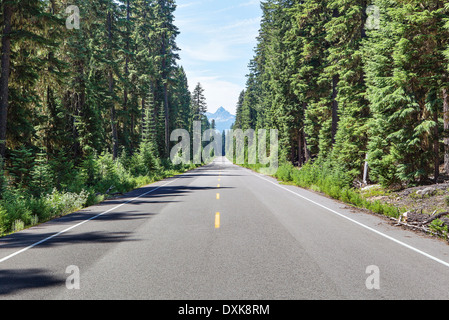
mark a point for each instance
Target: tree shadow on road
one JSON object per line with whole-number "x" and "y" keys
{"x": 13, "y": 281}
{"x": 25, "y": 239}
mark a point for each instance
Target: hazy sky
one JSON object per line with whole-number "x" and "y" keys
{"x": 217, "y": 38}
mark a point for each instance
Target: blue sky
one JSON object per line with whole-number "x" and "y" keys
{"x": 217, "y": 40}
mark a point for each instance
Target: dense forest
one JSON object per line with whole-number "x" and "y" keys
{"x": 354, "y": 82}
{"x": 89, "y": 93}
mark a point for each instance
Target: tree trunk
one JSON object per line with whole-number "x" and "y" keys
{"x": 300, "y": 150}
{"x": 111, "y": 92}
{"x": 436, "y": 148}
{"x": 4, "y": 77}
{"x": 166, "y": 110}
{"x": 335, "y": 80}
{"x": 165, "y": 66}
{"x": 126, "y": 129}
{"x": 446, "y": 129}
{"x": 167, "y": 125}
{"x": 306, "y": 148}
{"x": 78, "y": 108}
{"x": 335, "y": 118}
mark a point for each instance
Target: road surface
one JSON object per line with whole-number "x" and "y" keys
{"x": 222, "y": 232}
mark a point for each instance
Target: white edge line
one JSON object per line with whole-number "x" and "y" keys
{"x": 359, "y": 223}
{"x": 82, "y": 222}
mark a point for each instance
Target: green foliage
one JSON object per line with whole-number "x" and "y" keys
{"x": 3, "y": 220}
{"x": 439, "y": 227}
{"x": 325, "y": 177}
{"x": 21, "y": 164}
{"x": 144, "y": 162}
{"x": 42, "y": 175}
{"x": 335, "y": 87}
{"x": 79, "y": 97}
{"x": 403, "y": 88}
{"x": 96, "y": 176}
{"x": 62, "y": 203}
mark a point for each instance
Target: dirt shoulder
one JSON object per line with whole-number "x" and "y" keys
{"x": 421, "y": 205}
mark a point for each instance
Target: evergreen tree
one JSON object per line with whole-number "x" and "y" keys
{"x": 346, "y": 33}
{"x": 199, "y": 105}
{"x": 165, "y": 33}
{"x": 405, "y": 73}
{"x": 8, "y": 7}
{"x": 308, "y": 56}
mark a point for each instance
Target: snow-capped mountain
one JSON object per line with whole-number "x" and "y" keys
{"x": 223, "y": 119}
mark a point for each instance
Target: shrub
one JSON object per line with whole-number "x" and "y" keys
{"x": 42, "y": 175}
{"x": 3, "y": 220}
{"x": 285, "y": 172}
{"x": 75, "y": 188}
{"x": 62, "y": 203}
{"x": 327, "y": 177}
{"x": 16, "y": 208}
{"x": 40, "y": 207}
{"x": 437, "y": 226}
{"x": 144, "y": 162}
{"x": 18, "y": 225}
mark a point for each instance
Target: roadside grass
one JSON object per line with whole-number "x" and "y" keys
{"x": 20, "y": 210}
{"x": 326, "y": 179}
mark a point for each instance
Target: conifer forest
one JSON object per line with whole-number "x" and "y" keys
{"x": 90, "y": 92}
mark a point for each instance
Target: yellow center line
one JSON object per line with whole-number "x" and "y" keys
{"x": 217, "y": 220}
{"x": 218, "y": 185}
{"x": 218, "y": 196}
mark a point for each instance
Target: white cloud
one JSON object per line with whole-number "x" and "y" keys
{"x": 212, "y": 51}
{"x": 240, "y": 5}
{"x": 243, "y": 24}
{"x": 217, "y": 41}
{"x": 186, "y": 5}
{"x": 218, "y": 92}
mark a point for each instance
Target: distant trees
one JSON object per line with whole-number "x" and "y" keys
{"x": 344, "y": 88}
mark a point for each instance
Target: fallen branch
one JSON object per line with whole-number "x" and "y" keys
{"x": 434, "y": 217}
{"x": 403, "y": 218}
{"x": 107, "y": 191}
{"x": 110, "y": 189}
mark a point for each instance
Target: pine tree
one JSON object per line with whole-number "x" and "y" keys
{"x": 239, "y": 111}
{"x": 180, "y": 101}
{"x": 7, "y": 12}
{"x": 346, "y": 33}
{"x": 199, "y": 105}
{"x": 405, "y": 73}
{"x": 308, "y": 57}
{"x": 41, "y": 174}
{"x": 165, "y": 33}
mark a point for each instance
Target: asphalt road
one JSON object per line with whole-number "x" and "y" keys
{"x": 222, "y": 232}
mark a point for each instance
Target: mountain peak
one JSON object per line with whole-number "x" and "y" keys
{"x": 222, "y": 110}
{"x": 223, "y": 119}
